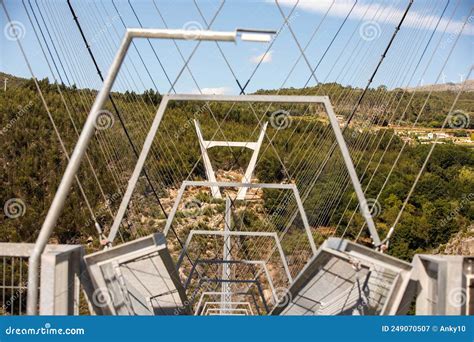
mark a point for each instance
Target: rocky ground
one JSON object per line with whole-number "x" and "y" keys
{"x": 461, "y": 244}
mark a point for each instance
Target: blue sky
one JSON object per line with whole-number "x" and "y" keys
{"x": 103, "y": 28}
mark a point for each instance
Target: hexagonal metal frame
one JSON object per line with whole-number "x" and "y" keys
{"x": 291, "y": 187}
{"x": 324, "y": 100}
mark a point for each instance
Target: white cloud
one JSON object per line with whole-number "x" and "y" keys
{"x": 213, "y": 91}
{"x": 264, "y": 57}
{"x": 384, "y": 13}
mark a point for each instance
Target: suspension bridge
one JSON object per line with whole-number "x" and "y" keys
{"x": 257, "y": 203}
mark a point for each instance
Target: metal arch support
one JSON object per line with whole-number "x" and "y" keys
{"x": 231, "y": 311}
{"x": 207, "y": 144}
{"x": 247, "y": 304}
{"x": 216, "y": 293}
{"x": 208, "y": 311}
{"x": 87, "y": 133}
{"x": 248, "y": 262}
{"x": 236, "y": 233}
{"x": 244, "y": 98}
{"x": 255, "y": 282}
{"x": 291, "y": 187}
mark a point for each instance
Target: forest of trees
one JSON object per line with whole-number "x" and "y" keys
{"x": 32, "y": 164}
{"x": 433, "y": 113}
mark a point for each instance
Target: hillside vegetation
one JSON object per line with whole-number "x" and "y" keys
{"x": 32, "y": 164}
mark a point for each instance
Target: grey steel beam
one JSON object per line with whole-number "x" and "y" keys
{"x": 21, "y": 249}
{"x": 59, "y": 282}
{"x": 247, "y": 178}
{"x": 248, "y": 98}
{"x": 215, "y": 192}
{"x": 352, "y": 172}
{"x": 137, "y": 171}
{"x": 219, "y": 280}
{"x": 226, "y": 297}
{"x": 444, "y": 284}
{"x": 59, "y": 279}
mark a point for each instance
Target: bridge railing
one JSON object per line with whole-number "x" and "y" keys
{"x": 59, "y": 279}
